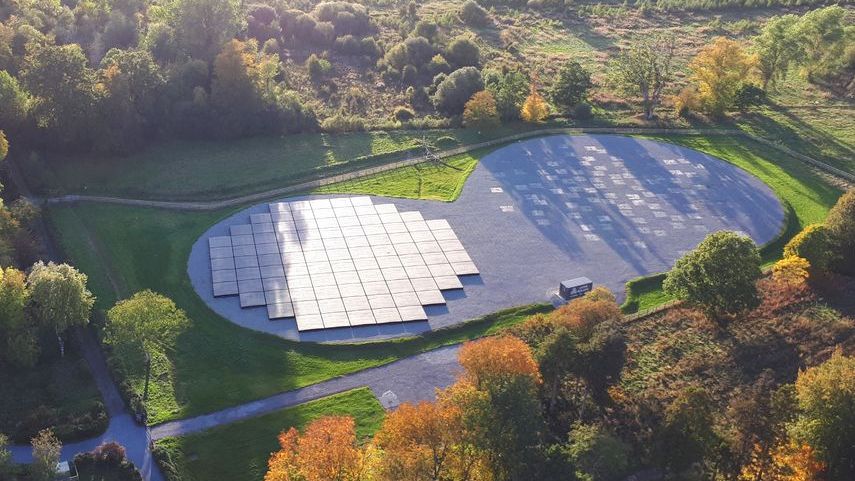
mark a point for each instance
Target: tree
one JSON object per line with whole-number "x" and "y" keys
{"x": 202, "y": 27}
{"x": 63, "y": 89}
{"x": 719, "y": 275}
{"x": 326, "y": 451}
{"x": 480, "y": 111}
{"x": 494, "y": 359}
{"x": 572, "y": 85}
{"x": 4, "y": 146}
{"x": 534, "y": 108}
{"x": 453, "y": 92}
{"x": 17, "y": 336}
{"x": 597, "y": 454}
{"x": 686, "y": 435}
{"x": 146, "y": 322}
{"x": 46, "y": 452}
{"x": 645, "y": 69}
{"x": 812, "y": 244}
{"x": 7, "y": 468}
{"x": 776, "y": 47}
{"x": 841, "y": 228}
{"x": 557, "y": 355}
{"x": 237, "y": 86}
{"x": 509, "y": 90}
{"x": 719, "y": 70}
{"x": 823, "y": 36}
{"x": 501, "y": 410}
{"x": 14, "y": 102}
{"x": 463, "y": 52}
{"x": 426, "y": 442}
{"x": 59, "y": 298}
{"x": 826, "y": 421}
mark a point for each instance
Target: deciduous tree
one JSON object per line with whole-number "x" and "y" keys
{"x": 572, "y": 85}
{"x": 777, "y": 47}
{"x": 17, "y": 336}
{"x": 494, "y": 359}
{"x": 826, "y": 422}
{"x": 719, "y": 275}
{"x": 144, "y": 323}
{"x": 645, "y": 70}
{"x": 841, "y": 228}
{"x": 453, "y": 92}
{"x": 719, "y": 69}
{"x": 326, "y": 451}
{"x": 202, "y": 27}
{"x": 480, "y": 111}
{"x": 59, "y": 298}
{"x": 534, "y": 108}
{"x": 509, "y": 90}
{"x": 46, "y": 451}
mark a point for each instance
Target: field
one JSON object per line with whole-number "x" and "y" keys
{"x": 241, "y": 450}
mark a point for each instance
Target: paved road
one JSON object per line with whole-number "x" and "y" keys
{"x": 412, "y": 379}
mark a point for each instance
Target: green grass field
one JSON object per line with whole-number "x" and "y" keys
{"x": 240, "y": 451}
{"x": 214, "y": 170}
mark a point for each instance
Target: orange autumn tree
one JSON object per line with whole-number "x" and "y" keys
{"x": 494, "y": 358}
{"x": 326, "y": 451}
{"x": 426, "y": 442}
{"x": 534, "y": 108}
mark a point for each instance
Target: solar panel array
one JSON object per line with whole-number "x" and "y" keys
{"x": 339, "y": 262}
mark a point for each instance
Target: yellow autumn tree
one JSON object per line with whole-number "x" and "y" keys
{"x": 480, "y": 111}
{"x": 719, "y": 70}
{"x": 534, "y": 108}
{"x": 326, "y": 451}
{"x": 426, "y": 442}
{"x": 492, "y": 358}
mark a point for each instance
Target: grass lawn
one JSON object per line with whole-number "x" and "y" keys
{"x": 240, "y": 451}
{"x": 423, "y": 181}
{"x": 214, "y": 170}
{"x": 58, "y": 393}
{"x": 806, "y": 198}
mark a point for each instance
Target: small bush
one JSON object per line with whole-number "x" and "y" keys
{"x": 812, "y": 244}
{"x": 686, "y": 102}
{"x": 111, "y": 453}
{"x": 318, "y": 67}
{"x": 403, "y": 114}
{"x": 473, "y": 14}
{"x": 343, "y": 123}
{"x": 749, "y": 95}
{"x": 582, "y": 111}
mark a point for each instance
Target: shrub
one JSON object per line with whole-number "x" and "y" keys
{"x": 791, "y": 271}
{"x": 749, "y": 95}
{"x": 719, "y": 275}
{"x": 686, "y": 102}
{"x": 841, "y": 228}
{"x": 453, "y": 92}
{"x": 409, "y": 75}
{"x": 343, "y": 123}
{"x": 403, "y": 114}
{"x": 480, "y": 111}
{"x": 597, "y": 454}
{"x": 812, "y": 244}
{"x": 348, "y": 45}
{"x": 438, "y": 65}
{"x": 425, "y": 29}
{"x": 582, "y": 111}
{"x": 111, "y": 453}
{"x": 463, "y": 52}
{"x": 323, "y": 34}
{"x": 318, "y": 67}
{"x": 473, "y": 14}
{"x": 416, "y": 51}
